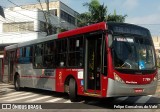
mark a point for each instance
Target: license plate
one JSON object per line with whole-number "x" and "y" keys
{"x": 138, "y": 90}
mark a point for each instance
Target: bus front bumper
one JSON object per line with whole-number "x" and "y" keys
{"x": 116, "y": 89}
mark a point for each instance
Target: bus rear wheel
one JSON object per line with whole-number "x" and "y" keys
{"x": 72, "y": 90}
{"x": 17, "y": 83}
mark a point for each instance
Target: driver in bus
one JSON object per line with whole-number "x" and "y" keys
{"x": 130, "y": 62}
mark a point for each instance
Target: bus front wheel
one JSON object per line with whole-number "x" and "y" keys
{"x": 17, "y": 83}
{"x": 72, "y": 90}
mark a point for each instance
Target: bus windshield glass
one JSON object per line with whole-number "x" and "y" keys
{"x": 133, "y": 53}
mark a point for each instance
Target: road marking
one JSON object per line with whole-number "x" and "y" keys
{"x": 6, "y": 84}
{"x": 120, "y": 99}
{"x": 15, "y": 99}
{"x": 143, "y": 99}
{"x": 54, "y": 100}
{"x": 68, "y": 101}
{"x": 14, "y": 96}
{"x": 150, "y": 95}
{"x": 36, "y": 99}
{"x": 12, "y": 93}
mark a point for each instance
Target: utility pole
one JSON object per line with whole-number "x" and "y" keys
{"x": 48, "y": 24}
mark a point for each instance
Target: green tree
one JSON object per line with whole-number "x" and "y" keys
{"x": 2, "y": 12}
{"x": 84, "y": 19}
{"x": 97, "y": 13}
{"x": 116, "y": 18}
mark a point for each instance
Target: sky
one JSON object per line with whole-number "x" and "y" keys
{"x": 141, "y": 12}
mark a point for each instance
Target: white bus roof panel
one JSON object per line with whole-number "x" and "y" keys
{"x": 11, "y": 47}
{"x": 51, "y": 37}
{"x": 31, "y": 42}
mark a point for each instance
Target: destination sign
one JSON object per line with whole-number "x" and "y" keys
{"x": 129, "y": 29}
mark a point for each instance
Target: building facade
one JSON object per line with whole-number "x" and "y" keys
{"x": 156, "y": 41}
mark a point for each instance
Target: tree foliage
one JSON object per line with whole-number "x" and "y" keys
{"x": 97, "y": 13}
{"x": 116, "y": 18}
{"x": 2, "y": 12}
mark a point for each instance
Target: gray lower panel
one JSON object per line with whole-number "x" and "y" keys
{"x": 118, "y": 89}
{"x": 45, "y": 83}
{"x": 39, "y": 83}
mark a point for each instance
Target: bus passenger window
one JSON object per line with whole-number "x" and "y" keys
{"x": 21, "y": 52}
{"x": 49, "y": 55}
{"x": 75, "y": 54}
{"x": 61, "y": 53}
{"x": 38, "y": 56}
{"x": 28, "y": 55}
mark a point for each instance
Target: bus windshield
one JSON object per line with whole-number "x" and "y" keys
{"x": 133, "y": 53}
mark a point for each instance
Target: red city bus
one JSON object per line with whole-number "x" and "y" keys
{"x": 100, "y": 60}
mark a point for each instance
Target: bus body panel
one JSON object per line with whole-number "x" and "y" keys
{"x": 63, "y": 74}
{"x": 118, "y": 89}
{"x": 36, "y": 78}
{"x": 104, "y": 85}
{"x": 5, "y": 75}
{"x": 136, "y": 79}
{"x": 104, "y": 78}
{"x": 83, "y": 30}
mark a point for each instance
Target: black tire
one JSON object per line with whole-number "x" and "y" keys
{"x": 17, "y": 83}
{"x": 72, "y": 90}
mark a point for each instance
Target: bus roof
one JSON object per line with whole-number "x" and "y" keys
{"x": 82, "y": 30}
{"x": 31, "y": 42}
{"x": 11, "y": 47}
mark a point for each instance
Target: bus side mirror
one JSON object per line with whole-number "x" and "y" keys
{"x": 110, "y": 40}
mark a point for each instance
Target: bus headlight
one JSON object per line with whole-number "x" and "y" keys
{"x": 155, "y": 78}
{"x": 117, "y": 78}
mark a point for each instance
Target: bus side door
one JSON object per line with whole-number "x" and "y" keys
{"x": 93, "y": 63}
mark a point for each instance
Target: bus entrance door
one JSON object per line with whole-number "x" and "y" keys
{"x": 93, "y": 66}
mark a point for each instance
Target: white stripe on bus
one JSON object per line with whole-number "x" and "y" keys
{"x": 15, "y": 99}
{"x": 36, "y": 99}
{"x": 15, "y": 96}
{"x": 54, "y": 100}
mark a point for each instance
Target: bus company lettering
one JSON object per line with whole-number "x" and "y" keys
{"x": 48, "y": 72}
{"x": 146, "y": 79}
{"x": 72, "y": 69}
{"x": 131, "y": 82}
